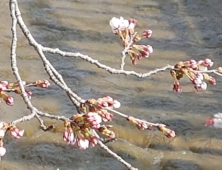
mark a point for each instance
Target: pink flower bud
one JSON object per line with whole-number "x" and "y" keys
{"x": 2, "y": 87}
{"x": 212, "y": 81}
{"x": 147, "y": 33}
{"x": 9, "y": 100}
{"x": 177, "y": 88}
{"x": 167, "y": 132}
{"x": 2, "y": 151}
{"x": 208, "y": 63}
{"x": 148, "y": 48}
{"x": 16, "y": 133}
{"x": 82, "y": 143}
{"x": 42, "y": 83}
{"x": 116, "y": 104}
{"x": 215, "y": 122}
{"x": 132, "y": 24}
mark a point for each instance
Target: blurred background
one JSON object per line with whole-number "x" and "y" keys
{"x": 182, "y": 30}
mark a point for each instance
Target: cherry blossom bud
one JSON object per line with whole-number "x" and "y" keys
{"x": 215, "y": 122}
{"x": 82, "y": 143}
{"x": 29, "y": 94}
{"x": 9, "y": 100}
{"x": 219, "y": 69}
{"x": 2, "y": 87}
{"x": 105, "y": 131}
{"x": 147, "y": 33}
{"x": 4, "y": 83}
{"x": 207, "y": 62}
{"x": 167, "y": 132}
{"x": 177, "y": 88}
{"x": 116, "y": 104}
{"x": 212, "y": 81}
{"x": 148, "y": 48}
{"x": 16, "y": 133}
{"x": 144, "y": 53}
{"x": 42, "y": 83}
{"x": 132, "y": 24}
{"x": 93, "y": 140}
{"x": 68, "y": 136}
{"x": 2, "y": 151}
{"x": 93, "y": 119}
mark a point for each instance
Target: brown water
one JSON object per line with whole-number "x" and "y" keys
{"x": 182, "y": 30}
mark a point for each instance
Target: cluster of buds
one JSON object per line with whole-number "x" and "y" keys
{"x": 80, "y": 129}
{"x": 14, "y": 132}
{"x": 5, "y": 87}
{"x": 143, "y": 125}
{"x": 125, "y": 29}
{"x": 196, "y": 71}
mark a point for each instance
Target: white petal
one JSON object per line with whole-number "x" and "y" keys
{"x": 2, "y": 151}
{"x": 2, "y": 133}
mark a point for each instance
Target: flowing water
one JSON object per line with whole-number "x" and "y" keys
{"x": 182, "y": 30}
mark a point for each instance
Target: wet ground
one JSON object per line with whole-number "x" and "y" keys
{"x": 182, "y": 30}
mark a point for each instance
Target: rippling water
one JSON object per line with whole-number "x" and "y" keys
{"x": 182, "y": 30}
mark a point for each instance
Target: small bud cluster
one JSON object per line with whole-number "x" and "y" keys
{"x": 79, "y": 130}
{"x": 143, "y": 125}
{"x": 14, "y": 132}
{"x": 195, "y": 71}
{"x": 125, "y": 30}
{"x": 5, "y": 87}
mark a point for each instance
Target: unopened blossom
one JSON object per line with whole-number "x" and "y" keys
{"x": 132, "y": 24}
{"x": 148, "y": 48}
{"x": 42, "y": 83}
{"x": 177, "y": 88}
{"x": 116, "y": 104}
{"x": 215, "y": 122}
{"x": 219, "y": 69}
{"x": 82, "y": 143}
{"x": 16, "y": 133}
{"x": 167, "y": 132}
{"x": 29, "y": 94}
{"x": 2, "y": 87}
{"x": 68, "y": 136}
{"x": 107, "y": 132}
{"x": 9, "y": 100}
{"x": 207, "y": 62}
{"x": 147, "y": 33}
{"x": 93, "y": 140}
{"x": 93, "y": 119}
{"x": 202, "y": 86}
{"x": 106, "y": 116}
